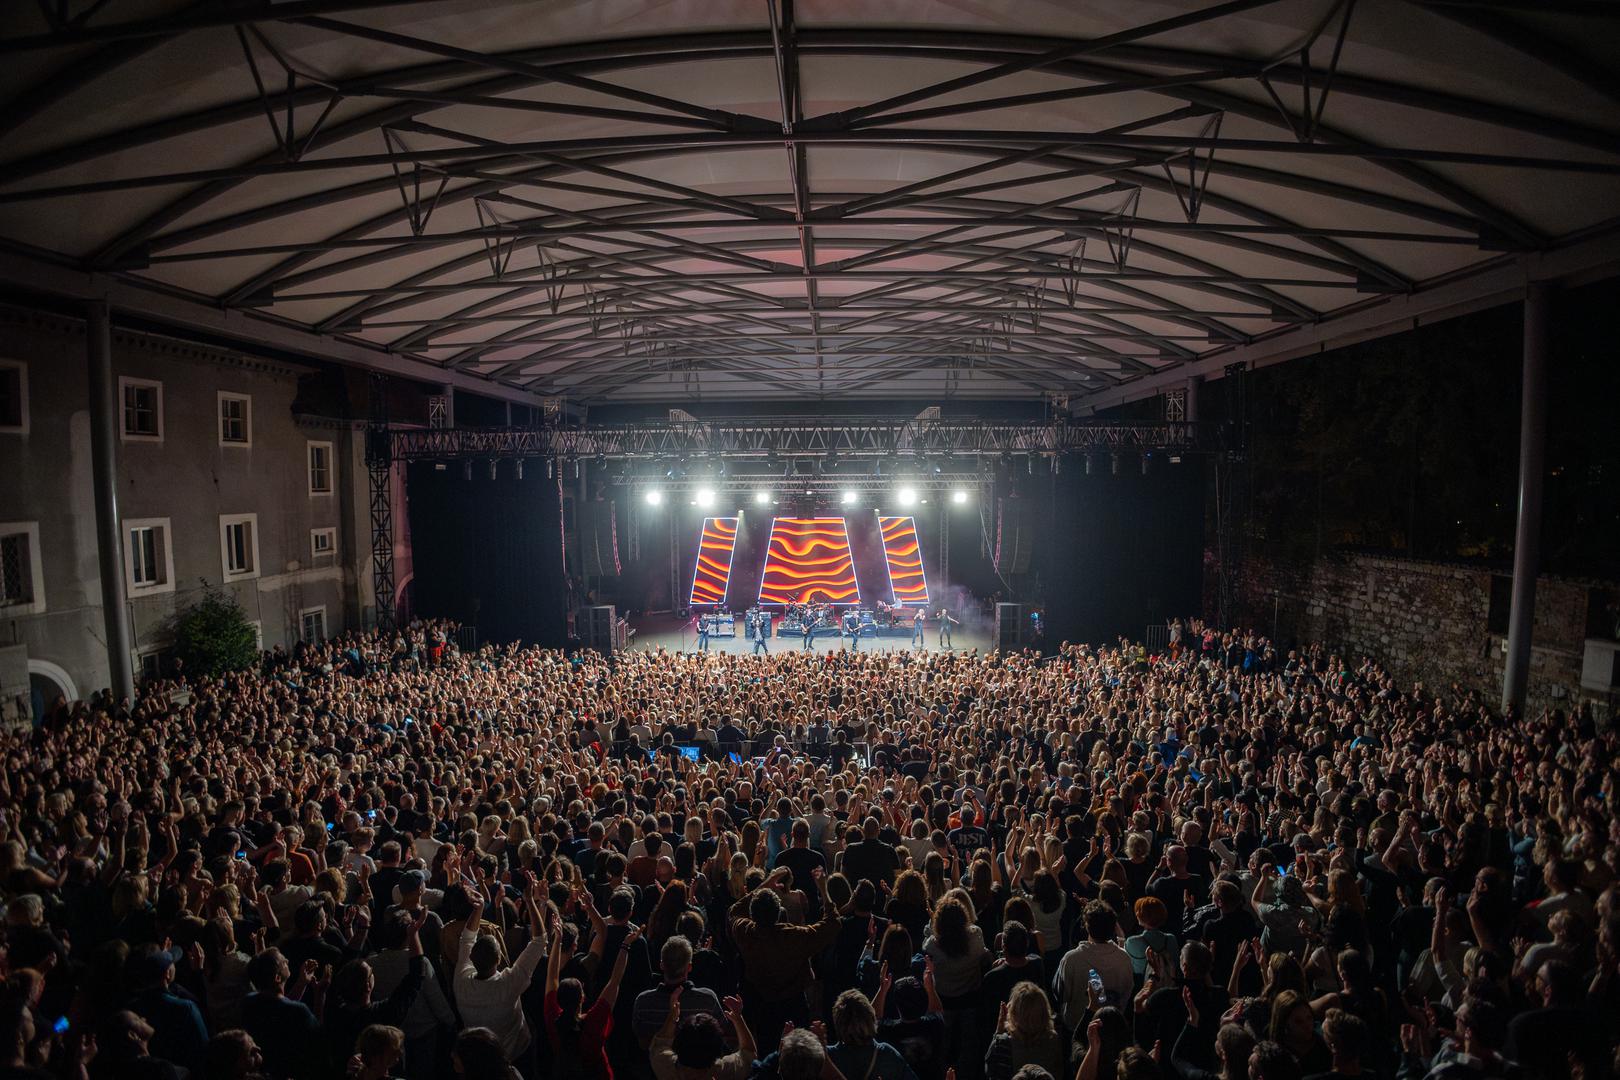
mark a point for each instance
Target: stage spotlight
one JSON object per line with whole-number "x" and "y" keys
{"x": 466, "y": 471}
{"x": 704, "y": 497}
{"x": 520, "y": 468}
{"x": 848, "y": 498}
{"x": 1115, "y": 463}
{"x": 492, "y": 472}
{"x": 958, "y": 496}
{"x": 655, "y": 497}
{"x": 761, "y": 497}
{"x": 1147, "y": 460}
{"x": 906, "y": 496}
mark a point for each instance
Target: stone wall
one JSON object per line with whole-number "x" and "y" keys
{"x": 1425, "y": 620}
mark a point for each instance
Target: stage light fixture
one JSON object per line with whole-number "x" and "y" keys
{"x": 1115, "y": 463}
{"x": 466, "y": 471}
{"x": 492, "y": 467}
{"x": 704, "y": 497}
{"x": 906, "y": 496}
{"x": 959, "y": 497}
{"x": 655, "y": 497}
{"x": 520, "y": 468}
{"x": 1147, "y": 460}
{"x": 761, "y": 497}
{"x": 848, "y": 498}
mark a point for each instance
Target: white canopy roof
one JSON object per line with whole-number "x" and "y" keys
{"x": 643, "y": 200}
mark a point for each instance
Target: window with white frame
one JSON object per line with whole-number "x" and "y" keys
{"x": 148, "y": 557}
{"x": 322, "y": 543}
{"x": 312, "y": 624}
{"x": 143, "y": 409}
{"x": 239, "y": 545}
{"x": 235, "y": 419}
{"x": 13, "y": 397}
{"x": 22, "y": 576}
{"x": 155, "y": 663}
{"x": 320, "y": 468}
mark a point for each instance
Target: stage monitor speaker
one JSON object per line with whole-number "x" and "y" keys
{"x": 1009, "y": 626}
{"x": 596, "y": 626}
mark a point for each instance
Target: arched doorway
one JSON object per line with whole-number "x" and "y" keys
{"x": 405, "y": 600}
{"x": 47, "y": 682}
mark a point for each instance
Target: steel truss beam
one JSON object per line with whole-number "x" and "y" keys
{"x": 923, "y": 138}
{"x": 783, "y": 438}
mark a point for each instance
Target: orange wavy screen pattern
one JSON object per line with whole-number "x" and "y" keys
{"x": 903, "y": 553}
{"x": 716, "y": 547}
{"x": 809, "y": 561}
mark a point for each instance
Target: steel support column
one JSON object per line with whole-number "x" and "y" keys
{"x": 380, "y": 480}
{"x": 1532, "y": 465}
{"x": 104, "y": 480}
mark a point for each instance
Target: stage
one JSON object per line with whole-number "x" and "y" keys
{"x": 665, "y": 631}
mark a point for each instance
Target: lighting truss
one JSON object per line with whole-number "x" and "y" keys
{"x": 791, "y": 438}
{"x": 740, "y": 490}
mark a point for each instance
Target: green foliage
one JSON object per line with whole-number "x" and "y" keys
{"x": 213, "y": 636}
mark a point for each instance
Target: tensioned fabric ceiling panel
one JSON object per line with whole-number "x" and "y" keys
{"x": 612, "y": 200}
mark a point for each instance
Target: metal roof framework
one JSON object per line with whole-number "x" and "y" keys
{"x": 770, "y": 199}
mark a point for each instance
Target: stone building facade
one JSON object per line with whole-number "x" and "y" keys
{"x": 1437, "y": 622}
{"x": 221, "y": 484}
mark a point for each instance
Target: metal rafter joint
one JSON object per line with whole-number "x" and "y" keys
{"x": 768, "y": 438}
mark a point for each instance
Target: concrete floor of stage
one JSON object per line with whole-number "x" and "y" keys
{"x": 654, "y": 631}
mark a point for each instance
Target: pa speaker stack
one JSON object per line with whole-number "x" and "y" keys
{"x": 1009, "y": 626}
{"x": 597, "y": 627}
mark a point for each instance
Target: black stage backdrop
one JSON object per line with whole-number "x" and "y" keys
{"x": 1125, "y": 551}
{"x": 489, "y": 552}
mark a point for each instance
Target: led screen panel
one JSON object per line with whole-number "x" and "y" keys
{"x": 809, "y": 561}
{"x": 903, "y": 553}
{"x": 716, "y": 548}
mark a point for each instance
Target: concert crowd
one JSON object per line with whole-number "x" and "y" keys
{"x": 383, "y": 857}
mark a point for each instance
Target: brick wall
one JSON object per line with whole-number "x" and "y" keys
{"x": 1422, "y": 619}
